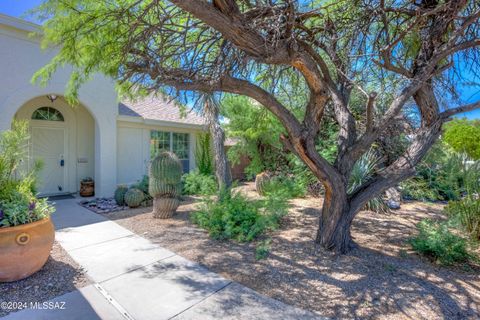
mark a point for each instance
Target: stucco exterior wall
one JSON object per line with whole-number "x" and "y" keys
{"x": 20, "y": 58}
{"x": 133, "y": 148}
{"x": 80, "y": 126}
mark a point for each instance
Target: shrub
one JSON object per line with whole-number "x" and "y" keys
{"x": 18, "y": 203}
{"x": 239, "y": 218}
{"x": 284, "y": 187}
{"x": 466, "y": 213}
{"x": 203, "y": 154}
{"x": 436, "y": 241}
{"x": 363, "y": 170}
{"x": 195, "y": 183}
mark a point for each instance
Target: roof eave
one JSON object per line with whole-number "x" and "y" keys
{"x": 164, "y": 123}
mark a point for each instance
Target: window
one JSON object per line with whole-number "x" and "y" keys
{"x": 171, "y": 141}
{"x": 47, "y": 113}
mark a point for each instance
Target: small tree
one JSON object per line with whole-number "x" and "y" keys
{"x": 395, "y": 55}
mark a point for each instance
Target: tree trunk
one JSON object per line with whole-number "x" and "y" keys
{"x": 335, "y": 221}
{"x": 222, "y": 168}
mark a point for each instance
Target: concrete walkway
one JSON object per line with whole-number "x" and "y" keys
{"x": 136, "y": 279}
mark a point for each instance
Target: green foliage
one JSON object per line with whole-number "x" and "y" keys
{"x": 284, "y": 187}
{"x": 258, "y": 132}
{"x": 165, "y": 176}
{"x": 443, "y": 175}
{"x": 18, "y": 203}
{"x": 203, "y": 154}
{"x": 134, "y": 197}
{"x": 436, "y": 241}
{"x": 463, "y": 136}
{"x": 466, "y": 213}
{"x": 263, "y": 249}
{"x": 195, "y": 183}
{"x": 362, "y": 171}
{"x": 120, "y": 194}
{"x": 234, "y": 216}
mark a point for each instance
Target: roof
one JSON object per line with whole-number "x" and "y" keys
{"x": 159, "y": 108}
{"x": 20, "y": 24}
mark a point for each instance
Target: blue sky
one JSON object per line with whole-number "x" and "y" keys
{"x": 17, "y": 8}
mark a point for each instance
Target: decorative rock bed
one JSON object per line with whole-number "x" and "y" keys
{"x": 102, "y": 205}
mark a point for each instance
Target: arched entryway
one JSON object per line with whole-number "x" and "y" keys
{"x": 63, "y": 139}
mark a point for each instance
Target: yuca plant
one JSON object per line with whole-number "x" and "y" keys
{"x": 363, "y": 170}
{"x": 165, "y": 184}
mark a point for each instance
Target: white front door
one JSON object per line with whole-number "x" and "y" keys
{"x": 48, "y": 146}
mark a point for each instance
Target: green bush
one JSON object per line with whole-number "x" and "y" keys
{"x": 203, "y": 154}
{"x": 236, "y": 217}
{"x": 437, "y": 242}
{"x": 18, "y": 203}
{"x": 466, "y": 213}
{"x": 284, "y": 187}
{"x": 195, "y": 183}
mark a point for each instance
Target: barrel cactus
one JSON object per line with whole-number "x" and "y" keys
{"x": 261, "y": 181}
{"x": 120, "y": 194}
{"x": 134, "y": 197}
{"x": 165, "y": 184}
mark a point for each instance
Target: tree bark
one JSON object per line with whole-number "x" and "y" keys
{"x": 222, "y": 167}
{"x": 335, "y": 221}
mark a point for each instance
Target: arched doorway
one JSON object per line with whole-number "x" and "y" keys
{"x": 63, "y": 140}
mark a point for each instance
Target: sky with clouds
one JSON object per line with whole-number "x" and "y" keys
{"x": 18, "y": 8}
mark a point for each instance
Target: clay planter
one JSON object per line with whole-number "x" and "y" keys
{"x": 24, "y": 249}
{"x": 87, "y": 188}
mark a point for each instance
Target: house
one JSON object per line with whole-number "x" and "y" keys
{"x": 103, "y": 138}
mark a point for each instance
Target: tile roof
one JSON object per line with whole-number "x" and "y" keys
{"x": 159, "y": 108}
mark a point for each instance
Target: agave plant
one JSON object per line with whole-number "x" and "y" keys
{"x": 362, "y": 171}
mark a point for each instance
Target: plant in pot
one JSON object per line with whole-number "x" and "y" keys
{"x": 87, "y": 187}
{"x": 26, "y": 232}
{"x": 165, "y": 184}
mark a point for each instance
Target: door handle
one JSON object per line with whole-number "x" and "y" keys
{"x": 62, "y": 163}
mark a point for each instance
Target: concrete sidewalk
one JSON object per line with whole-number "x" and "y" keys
{"x": 136, "y": 279}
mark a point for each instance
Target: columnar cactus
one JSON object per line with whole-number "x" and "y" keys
{"x": 165, "y": 184}
{"x": 120, "y": 194}
{"x": 260, "y": 182}
{"x": 134, "y": 197}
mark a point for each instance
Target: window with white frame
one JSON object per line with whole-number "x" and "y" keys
{"x": 176, "y": 142}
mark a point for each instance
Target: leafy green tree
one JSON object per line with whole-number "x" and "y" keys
{"x": 397, "y": 54}
{"x": 464, "y": 136}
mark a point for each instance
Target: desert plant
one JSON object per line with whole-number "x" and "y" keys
{"x": 18, "y": 203}
{"x": 239, "y": 218}
{"x": 134, "y": 197}
{"x": 437, "y": 242}
{"x": 165, "y": 184}
{"x": 466, "y": 213}
{"x": 203, "y": 154}
{"x": 261, "y": 180}
{"x": 284, "y": 186}
{"x": 120, "y": 194}
{"x": 364, "y": 170}
{"x": 195, "y": 183}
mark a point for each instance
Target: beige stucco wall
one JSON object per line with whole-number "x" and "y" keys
{"x": 133, "y": 147}
{"x": 20, "y": 57}
{"x": 80, "y": 126}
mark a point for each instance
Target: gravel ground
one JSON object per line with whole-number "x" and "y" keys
{"x": 58, "y": 276}
{"x": 381, "y": 279}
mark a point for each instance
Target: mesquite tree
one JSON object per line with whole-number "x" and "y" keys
{"x": 399, "y": 54}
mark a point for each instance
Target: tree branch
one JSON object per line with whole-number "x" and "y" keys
{"x": 451, "y": 112}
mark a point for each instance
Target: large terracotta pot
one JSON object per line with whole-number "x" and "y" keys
{"x": 24, "y": 249}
